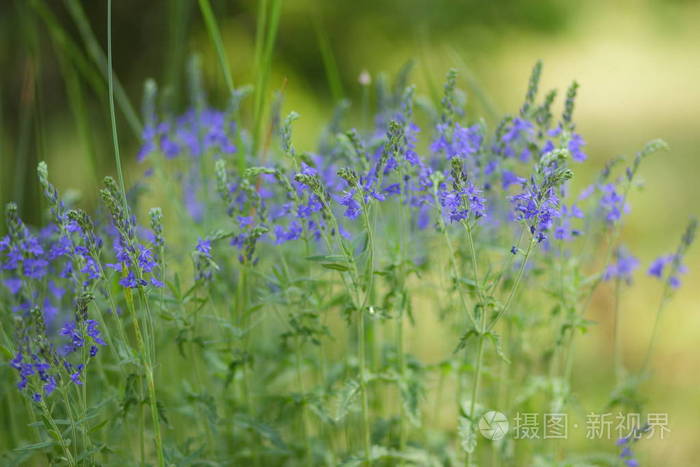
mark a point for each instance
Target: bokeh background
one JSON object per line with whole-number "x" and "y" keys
{"x": 638, "y": 63}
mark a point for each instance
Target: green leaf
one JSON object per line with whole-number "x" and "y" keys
{"x": 89, "y": 453}
{"x": 6, "y": 352}
{"x": 361, "y": 243}
{"x": 345, "y": 399}
{"x": 36, "y": 446}
{"x": 99, "y": 425}
{"x": 467, "y": 435}
{"x": 465, "y": 338}
{"x": 336, "y": 266}
{"x": 326, "y": 258}
{"x": 410, "y": 394}
{"x": 264, "y": 430}
{"x": 496, "y": 339}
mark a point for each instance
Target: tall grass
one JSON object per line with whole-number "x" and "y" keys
{"x": 281, "y": 307}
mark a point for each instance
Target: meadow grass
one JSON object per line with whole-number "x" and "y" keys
{"x": 271, "y": 310}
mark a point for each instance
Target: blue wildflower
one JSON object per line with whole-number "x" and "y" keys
{"x": 538, "y": 207}
{"x": 204, "y": 247}
{"x": 93, "y": 332}
{"x": 294, "y": 232}
{"x": 13, "y": 284}
{"x": 516, "y": 139}
{"x": 69, "y": 329}
{"x": 50, "y": 385}
{"x": 352, "y": 207}
{"x": 509, "y": 178}
{"x": 575, "y": 146}
{"x": 658, "y": 266}
{"x": 612, "y": 203}
{"x": 130, "y": 281}
{"x": 75, "y": 376}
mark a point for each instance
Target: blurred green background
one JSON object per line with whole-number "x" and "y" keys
{"x": 638, "y": 63}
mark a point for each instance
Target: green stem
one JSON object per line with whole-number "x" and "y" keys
{"x": 587, "y": 301}
{"x": 353, "y": 288}
{"x": 402, "y": 375}
{"x": 245, "y": 320}
{"x": 475, "y": 389}
{"x": 150, "y": 382}
{"x": 142, "y": 428}
{"x": 215, "y": 36}
{"x": 82, "y": 397}
{"x": 304, "y": 415}
{"x": 363, "y": 387}
{"x": 480, "y": 344}
{"x": 57, "y": 432}
{"x": 514, "y": 289}
{"x": 617, "y": 345}
{"x": 69, "y": 414}
{"x": 453, "y": 262}
{"x": 112, "y": 113}
{"x": 475, "y": 270}
{"x": 655, "y": 329}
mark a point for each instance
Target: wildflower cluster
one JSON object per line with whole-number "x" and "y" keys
{"x": 236, "y": 343}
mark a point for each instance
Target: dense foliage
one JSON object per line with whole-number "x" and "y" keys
{"x": 261, "y": 317}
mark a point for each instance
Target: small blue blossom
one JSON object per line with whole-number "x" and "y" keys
{"x": 622, "y": 268}
{"x": 145, "y": 259}
{"x": 204, "y": 247}
{"x": 352, "y": 207}
{"x": 13, "y": 284}
{"x": 75, "y": 376}
{"x": 294, "y": 232}
{"x": 538, "y": 207}
{"x": 131, "y": 282}
{"x": 69, "y": 329}
{"x": 657, "y": 267}
{"x": 516, "y": 139}
{"x": 509, "y": 178}
{"x": 463, "y": 142}
{"x": 612, "y": 203}
{"x": 93, "y": 332}
{"x": 575, "y": 146}
{"x": 50, "y": 385}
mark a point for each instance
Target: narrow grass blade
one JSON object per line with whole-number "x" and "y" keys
{"x": 179, "y": 17}
{"x": 215, "y": 36}
{"x": 98, "y": 56}
{"x": 71, "y": 50}
{"x": 112, "y": 113}
{"x": 329, "y": 63}
{"x": 77, "y": 104}
{"x": 268, "y": 23}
